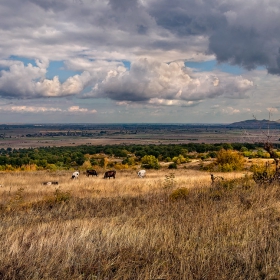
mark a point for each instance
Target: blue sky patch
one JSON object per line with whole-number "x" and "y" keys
{"x": 25, "y": 60}
{"x": 57, "y": 68}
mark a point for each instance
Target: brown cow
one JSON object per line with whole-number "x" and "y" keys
{"x": 91, "y": 172}
{"x": 109, "y": 174}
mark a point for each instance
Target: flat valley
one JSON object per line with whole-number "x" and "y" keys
{"x": 56, "y": 135}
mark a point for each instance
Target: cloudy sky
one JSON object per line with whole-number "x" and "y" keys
{"x": 139, "y": 61}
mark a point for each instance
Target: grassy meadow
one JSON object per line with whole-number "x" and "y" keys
{"x": 164, "y": 226}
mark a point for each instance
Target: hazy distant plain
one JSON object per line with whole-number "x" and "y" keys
{"x": 31, "y": 136}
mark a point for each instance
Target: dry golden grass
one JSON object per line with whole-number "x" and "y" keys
{"x": 130, "y": 228}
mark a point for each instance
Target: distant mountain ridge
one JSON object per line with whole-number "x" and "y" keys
{"x": 255, "y": 124}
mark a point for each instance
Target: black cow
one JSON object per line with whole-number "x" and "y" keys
{"x": 91, "y": 172}
{"x": 109, "y": 174}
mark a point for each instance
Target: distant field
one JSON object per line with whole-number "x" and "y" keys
{"x": 42, "y": 136}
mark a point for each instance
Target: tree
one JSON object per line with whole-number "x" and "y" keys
{"x": 150, "y": 162}
{"x": 266, "y": 141}
{"x": 228, "y": 160}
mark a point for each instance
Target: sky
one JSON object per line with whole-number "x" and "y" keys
{"x": 139, "y": 61}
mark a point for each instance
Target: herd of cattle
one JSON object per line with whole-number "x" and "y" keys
{"x": 108, "y": 174}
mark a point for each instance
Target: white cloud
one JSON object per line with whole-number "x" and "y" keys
{"x": 230, "y": 110}
{"x": 29, "y": 109}
{"x": 151, "y": 80}
{"x": 165, "y": 102}
{"x": 77, "y": 109}
{"x": 42, "y": 109}
{"x": 29, "y": 81}
{"x": 272, "y": 110}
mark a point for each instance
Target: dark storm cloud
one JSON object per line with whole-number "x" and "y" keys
{"x": 241, "y": 33}
{"x": 188, "y": 17}
{"x": 123, "y": 5}
{"x": 142, "y": 29}
{"x": 51, "y": 4}
{"x": 239, "y": 46}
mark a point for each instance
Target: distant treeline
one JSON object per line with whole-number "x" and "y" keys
{"x": 67, "y": 157}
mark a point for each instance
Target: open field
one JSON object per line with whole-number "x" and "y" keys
{"x": 132, "y": 228}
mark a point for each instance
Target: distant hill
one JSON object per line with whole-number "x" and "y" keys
{"x": 256, "y": 124}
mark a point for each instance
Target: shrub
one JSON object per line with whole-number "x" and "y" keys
{"x": 120, "y": 166}
{"x": 61, "y": 196}
{"x": 86, "y": 165}
{"x": 179, "y": 159}
{"x": 150, "y": 162}
{"x": 129, "y": 160}
{"x": 169, "y": 181}
{"x": 93, "y": 161}
{"x": 103, "y": 162}
{"x": 52, "y": 167}
{"x": 181, "y": 193}
{"x": 212, "y": 154}
{"x": 172, "y": 166}
{"x": 228, "y": 160}
{"x": 262, "y": 173}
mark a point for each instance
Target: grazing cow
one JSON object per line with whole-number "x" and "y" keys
{"x": 109, "y": 174}
{"x": 49, "y": 183}
{"x": 75, "y": 175}
{"x": 91, "y": 172}
{"x": 141, "y": 173}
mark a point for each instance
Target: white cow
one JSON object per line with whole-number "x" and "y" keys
{"x": 141, "y": 173}
{"x": 75, "y": 175}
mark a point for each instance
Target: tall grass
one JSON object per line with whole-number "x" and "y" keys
{"x": 132, "y": 228}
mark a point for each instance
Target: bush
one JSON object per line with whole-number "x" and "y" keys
{"x": 172, "y": 166}
{"x": 263, "y": 173}
{"x": 150, "y": 162}
{"x": 179, "y": 159}
{"x": 169, "y": 181}
{"x": 228, "y": 160}
{"x": 181, "y": 193}
{"x": 212, "y": 154}
{"x": 62, "y": 196}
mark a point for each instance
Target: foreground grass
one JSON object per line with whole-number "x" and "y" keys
{"x": 132, "y": 228}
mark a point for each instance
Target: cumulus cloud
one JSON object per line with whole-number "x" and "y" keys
{"x": 29, "y": 81}
{"x": 147, "y": 82}
{"x": 154, "y": 82}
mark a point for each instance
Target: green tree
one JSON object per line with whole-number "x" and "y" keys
{"x": 150, "y": 162}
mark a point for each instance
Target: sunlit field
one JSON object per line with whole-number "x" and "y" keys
{"x": 133, "y": 228}
{"x": 126, "y": 183}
